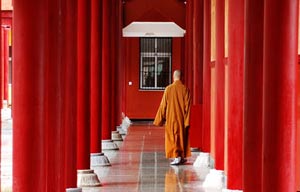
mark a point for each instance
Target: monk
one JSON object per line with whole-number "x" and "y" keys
{"x": 174, "y": 110}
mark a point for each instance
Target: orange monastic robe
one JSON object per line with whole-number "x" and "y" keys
{"x": 174, "y": 109}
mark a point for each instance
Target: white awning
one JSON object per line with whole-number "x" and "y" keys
{"x": 153, "y": 29}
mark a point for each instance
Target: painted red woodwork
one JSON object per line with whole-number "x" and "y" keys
{"x": 235, "y": 93}
{"x": 120, "y": 78}
{"x": 43, "y": 76}
{"x": 106, "y": 72}
{"x": 83, "y": 85}
{"x": 298, "y": 130}
{"x": 5, "y": 62}
{"x": 6, "y": 17}
{"x": 155, "y": 10}
{"x": 195, "y": 132}
{"x": 70, "y": 58}
{"x": 253, "y": 96}
{"x": 143, "y": 104}
{"x": 54, "y": 87}
{"x": 206, "y": 77}
{"x": 220, "y": 85}
{"x": 188, "y": 64}
{"x": 0, "y": 90}
{"x": 29, "y": 135}
{"x": 279, "y": 98}
{"x": 197, "y": 52}
{"x": 96, "y": 91}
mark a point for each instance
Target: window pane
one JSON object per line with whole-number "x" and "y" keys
{"x": 164, "y": 45}
{"x": 148, "y": 45}
{"x": 148, "y": 72}
{"x": 163, "y": 73}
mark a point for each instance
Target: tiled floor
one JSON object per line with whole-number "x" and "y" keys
{"x": 139, "y": 165}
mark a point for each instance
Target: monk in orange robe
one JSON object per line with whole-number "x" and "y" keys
{"x": 174, "y": 110}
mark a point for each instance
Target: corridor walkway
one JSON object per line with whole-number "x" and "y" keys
{"x": 140, "y": 165}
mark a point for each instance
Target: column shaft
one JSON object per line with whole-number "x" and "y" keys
{"x": 106, "y": 72}
{"x": 235, "y": 95}
{"x": 29, "y": 135}
{"x": 206, "y": 77}
{"x": 70, "y": 107}
{"x": 5, "y": 64}
{"x": 96, "y": 75}
{"x": 252, "y": 136}
{"x": 279, "y": 95}
{"x": 83, "y": 86}
{"x": 197, "y": 52}
{"x": 220, "y": 84}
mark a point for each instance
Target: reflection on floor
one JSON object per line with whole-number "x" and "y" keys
{"x": 139, "y": 164}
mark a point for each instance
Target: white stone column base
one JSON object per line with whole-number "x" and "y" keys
{"x": 87, "y": 178}
{"x": 116, "y": 136}
{"x": 215, "y": 180}
{"x": 121, "y": 130}
{"x": 203, "y": 160}
{"x": 228, "y": 190}
{"x": 74, "y": 190}
{"x": 99, "y": 160}
{"x": 109, "y": 145}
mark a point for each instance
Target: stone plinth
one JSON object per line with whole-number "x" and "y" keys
{"x": 99, "y": 160}
{"x": 109, "y": 145}
{"x": 116, "y": 136}
{"x": 74, "y": 190}
{"x": 87, "y": 178}
{"x": 215, "y": 180}
{"x": 203, "y": 160}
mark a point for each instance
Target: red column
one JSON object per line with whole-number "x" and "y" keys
{"x": 252, "y": 147}
{"x": 96, "y": 40}
{"x": 279, "y": 95}
{"x": 83, "y": 87}
{"x": 188, "y": 65}
{"x": 106, "y": 72}
{"x": 113, "y": 58}
{"x": 70, "y": 108}
{"x": 197, "y": 74}
{"x": 220, "y": 84}
{"x": 197, "y": 52}
{"x": 29, "y": 135}
{"x": 120, "y": 67}
{"x": 206, "y": 77}
{"x": 235, "y": 95}
{"x": 0, "y": 92}
{"x": 5, "y": 64}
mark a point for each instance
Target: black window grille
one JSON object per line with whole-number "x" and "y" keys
{"x": 155, "y": 63}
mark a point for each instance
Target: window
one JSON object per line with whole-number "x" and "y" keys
{"x": 155, "y": 63}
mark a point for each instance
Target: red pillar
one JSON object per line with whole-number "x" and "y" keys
{"x": 106, "y": 72}
{"x": 83, "y": 89}
{"x": 96, "y": 42}
{"x": 113, "y": 57}
{"x": 0, "y": 93}
{"x": 252, "y": 144}
{"x": 120, "y": 66}
{"x": 188, "y": 65}
{"x": 206, "y": 77}
{"x": 29, "y": 135}
{"x": 220, "y": 84}
{"x": 70, "y": 106}
{"x": 5, "y": 64}
{"x": 197, "y": 52}
{"x": 235, "y": 95}
{"x": 279, "y": 95}
{"x": 197, "y": 74}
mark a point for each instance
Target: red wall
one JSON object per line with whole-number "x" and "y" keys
{"x": 154, "y": 10}
{"x": 298, "y": 133}
{"x": 144, "y": 104}
{"x": 140, "y": 104}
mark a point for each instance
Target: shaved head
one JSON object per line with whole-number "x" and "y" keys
{"x": 176, "y": 75}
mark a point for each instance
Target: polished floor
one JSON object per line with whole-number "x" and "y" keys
{"x": 138, "y": 165}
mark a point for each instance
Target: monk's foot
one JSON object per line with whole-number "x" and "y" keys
{"x": 176, "y": 161}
